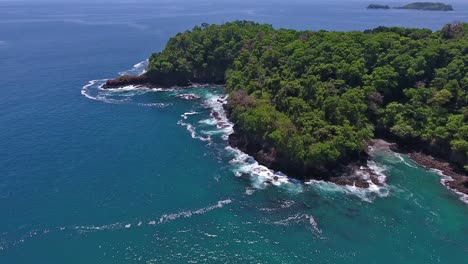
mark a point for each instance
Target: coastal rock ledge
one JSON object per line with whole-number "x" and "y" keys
{"x": 355, "y": 173}
{"x": 458, "y": 183}
{"x": 126, "y": 80}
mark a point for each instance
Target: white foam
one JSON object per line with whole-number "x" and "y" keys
{"x": 365, "y": 194}
{"x": 209, "y": 122}
{"x": 186, "y": 214}
{"x": 249, "y": 191}
{"x": 137, "y": 69}
{"x": 155, "y": 105}
{"x": 187, "y": 114}
{"x": 402, "y": 159}
{"x": 216, "y": 104}
{"x": 260, "y": 175}
{"x": 193, "y": 132}
{"x": 300, "y": 218}
{"x": 210, "y": 235}
{"x": 94, "y": 91}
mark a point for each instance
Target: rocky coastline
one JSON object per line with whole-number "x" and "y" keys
{"x": 126, "y": 80}
{"x": 354, "y": 173}
{"x": 457, "y": 181}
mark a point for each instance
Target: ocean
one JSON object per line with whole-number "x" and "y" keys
{"x": 146, "y": 176}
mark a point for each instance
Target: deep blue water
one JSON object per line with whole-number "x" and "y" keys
{"x": 116, "y": 176}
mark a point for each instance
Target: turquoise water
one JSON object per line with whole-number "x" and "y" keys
{"x": 143, "y": 176}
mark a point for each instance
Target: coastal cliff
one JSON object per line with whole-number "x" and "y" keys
{"x": 307, "y": 103}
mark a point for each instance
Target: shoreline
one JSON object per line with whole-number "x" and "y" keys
{"x": 454, "y": 181}
{"x": 450, "y": 178}
{"x": 355, "y": 173}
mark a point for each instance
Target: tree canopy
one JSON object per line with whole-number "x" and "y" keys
{"x": 317, "y": 97}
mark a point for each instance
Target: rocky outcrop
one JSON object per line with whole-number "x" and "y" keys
{"x": 126, "y": 80}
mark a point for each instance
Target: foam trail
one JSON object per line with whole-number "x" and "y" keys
{"x": 402, "y": 159}
{"x": 193, "y": 132}
{"x": 301, "y": 218}
{"x": 187, "y": 114}
{"x": 186, "y": 214}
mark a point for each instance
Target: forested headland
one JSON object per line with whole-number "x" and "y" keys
{"x": 305, "y": 102}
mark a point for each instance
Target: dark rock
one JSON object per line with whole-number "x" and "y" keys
{"x": 126, "y": 80}
{"x": 460, "y": 181}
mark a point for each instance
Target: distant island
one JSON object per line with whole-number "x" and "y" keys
{"x": 426, "y": 6}
{"x": 308, "y": 103}
{"x": 375, "y": 6}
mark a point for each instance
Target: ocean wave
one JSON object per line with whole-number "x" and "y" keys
{"x": 365, "y": 194}
{"x": 137, "y": 69}
{"x": 261, "y": 177}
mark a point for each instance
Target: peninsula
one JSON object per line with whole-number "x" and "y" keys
{"x": 308, "y": 102}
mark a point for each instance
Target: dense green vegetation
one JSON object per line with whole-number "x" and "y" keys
{"x": 376, "y": 6}
{"x": 429, "y": 6}
{"x": 318, "y": 97}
